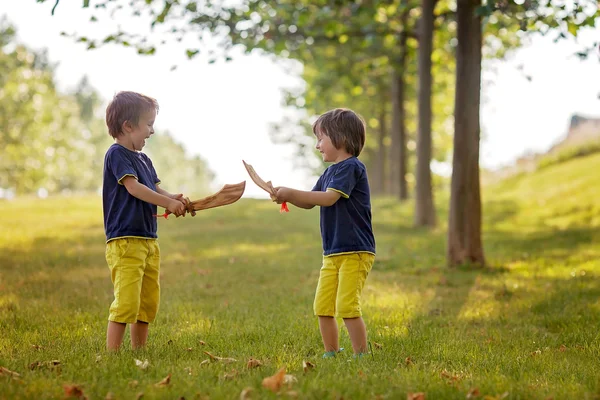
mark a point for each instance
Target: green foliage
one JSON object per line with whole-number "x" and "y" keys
{"x": 521, "y": 326}
{"x": 56, "y": 141}
{"x": 568, "y": 153}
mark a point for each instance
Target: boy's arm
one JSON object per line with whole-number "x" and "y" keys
{"x": 306, "y": 199}
{"x": 148, "y": 195}
{"x": 165, "y": 193}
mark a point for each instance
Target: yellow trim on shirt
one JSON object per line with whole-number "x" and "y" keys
{"x": 120, "y": 181}
{"x": 344, "y": 195}
{"x": 124, "y": 237}
{"x": 348, "y": 252}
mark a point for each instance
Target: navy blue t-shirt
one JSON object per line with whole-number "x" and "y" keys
{"x": 124, "y": 214}
{"x": 346, "y": 225}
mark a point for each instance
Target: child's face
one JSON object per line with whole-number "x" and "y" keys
{"x": 327, "y": 149}
{"x": 143, "y": 130}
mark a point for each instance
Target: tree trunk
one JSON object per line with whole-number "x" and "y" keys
{"x": 399, "y": 159}
{"x": 464, "y": 226}
{"x": 381, "y": 153}
{"x": 424, "y": 208}
{"x": 398, "y": 162}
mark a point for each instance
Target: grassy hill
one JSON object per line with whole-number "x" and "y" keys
{"x": 239, "y": 282}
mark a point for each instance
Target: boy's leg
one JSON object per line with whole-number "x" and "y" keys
{"x": 324, "y": 304}
{"x": 329, "y": 333}
{"x": 139, "y": 334}
{"x": 358, "y": 334}
{"x": 114, "y": 335}
{"x": 149, "y": 296}
{"x": 353, "y": 273}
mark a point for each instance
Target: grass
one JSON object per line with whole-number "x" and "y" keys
{"x": 241, "y": 279}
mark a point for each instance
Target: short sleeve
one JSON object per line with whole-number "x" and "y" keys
{"x": 318, "y": 185}
{"x": 344, "y": 180}
{"x": 152, "y": 170}
{"x": 120, "y": 165}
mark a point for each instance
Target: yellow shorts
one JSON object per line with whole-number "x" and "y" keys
{"x": 134, "y": 268}
{"x": 340, "y": 285}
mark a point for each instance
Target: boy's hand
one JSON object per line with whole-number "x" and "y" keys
{"x": 176, "y": 207}
{"x": 282, "y": 194}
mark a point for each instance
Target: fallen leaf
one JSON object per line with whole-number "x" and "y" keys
{"x": 536, "y": 353}
{"x": 98, "y": 358}
{"x": 408, "y": 361}
{"x": 36, "y": 347}
{"x": 139, "y": 395}
{"x": 142, "y": 364}
{"x": 230, "y": 375}
{"x": 473, "y": 392}
{"x": 415, "y": 396}
{"x": 8, "y": 372}
{"x": 378, "y": 345}
{"x": 221, "y": 359}
{"x": 246, "y": 393}
{"x": 202, "y": 343}
{"x": 205, "y": 362}
{"x": 164, "y": 382}
{"x": 190, "y": 349}
{"x": 562, "y": 348}
{"x": 289, "y": 379}
{"x": 74, "y": 391}
{"x": 497, "y": 397}
{"x": 253, "y": 363}
{"x": 133, "y": 384}
{"x": 110, "y": 396}
{"x": 170, "y": 342}
{"x": 273, "y": 383}
{"x": 307, "y": 365}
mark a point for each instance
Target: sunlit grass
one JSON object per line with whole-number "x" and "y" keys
{"x": 241, "y": 279}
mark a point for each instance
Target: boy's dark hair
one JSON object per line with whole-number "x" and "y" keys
{"x": 344, "y": 127}
{"x": 127, "y": 106}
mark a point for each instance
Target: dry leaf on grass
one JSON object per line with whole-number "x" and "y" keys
{"x": 110, "y": 396}
{"x": 221, "y": 359}
{"x": 36, "y": 347}
{"x": 307, "y": 365}
{"x": 205, "y": 362}
{"x": 273, "y": 383}
{"x": 377, "y": 345}
{"x": 165, "y": 382}
{"x": 289, "y": 380}
{"x": 139, "y": 395}
{"x": 415, "y": 396}
{"x": 8, "y": 372}
{"x": 53, "y": 365}
{"x": 253, "y": 363}
{"x": 246, "y": 393}
{"x": 230, "y": 375}
{"x": 473, "y": 393}
{"x": 74, "y": 391}
{"x": 562, "y": 348}
{"x": 133, "y": 384}
{"x": 142, "y": 364}
{"x": 202, "y": 343}
{"x": 408, "y": 361}
{"x": 497, "y": 397}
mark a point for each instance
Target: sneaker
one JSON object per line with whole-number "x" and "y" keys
{"x": 332, "y": 353}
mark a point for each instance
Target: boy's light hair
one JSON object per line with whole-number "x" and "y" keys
{"x": 127, "y": 106}
{"x": 344, "y": 127}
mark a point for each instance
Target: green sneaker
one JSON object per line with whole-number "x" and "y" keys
{"x": 332, "y": 353}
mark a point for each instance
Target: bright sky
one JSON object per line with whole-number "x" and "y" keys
{"x": 222, "y": 111}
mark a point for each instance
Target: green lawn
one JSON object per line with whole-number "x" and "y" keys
{"x": 239, "y": 281}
